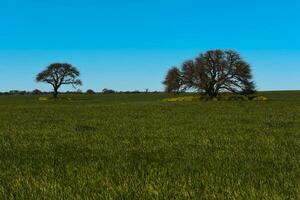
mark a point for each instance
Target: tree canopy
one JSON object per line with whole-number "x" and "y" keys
{"x": 212, "y": 72}
{"x": 58, "y": 74}
{"x": 173, "y": 80}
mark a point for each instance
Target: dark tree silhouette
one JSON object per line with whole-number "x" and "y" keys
{"x": 90, "y": 91}
{"x": 216, "y": 71}
{"x": 108, "y": 91}
{"x": 172, "y": 81}
{"x": 58, "y": 74}
{"x": 36, "y": 92}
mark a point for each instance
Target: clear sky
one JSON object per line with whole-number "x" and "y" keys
{"x": 130, "y": 44}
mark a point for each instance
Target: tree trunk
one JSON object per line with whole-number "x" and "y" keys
{"x": 211, "y": 92}
{"x": 55, "y": 93}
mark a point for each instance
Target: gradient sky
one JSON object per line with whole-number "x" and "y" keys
{"x": 129, "y": 45}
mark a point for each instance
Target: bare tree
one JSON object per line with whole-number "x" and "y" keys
{"x": 172, "y": 81}
{"x": 216, "y": 71}
{"x": 58, "y": 74}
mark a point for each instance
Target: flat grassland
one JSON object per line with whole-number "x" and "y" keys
{"x": 134, "y": 146}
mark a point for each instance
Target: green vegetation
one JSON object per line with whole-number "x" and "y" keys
{"x": 226, "y": 97}
{"x": 135, "y": 146}
{"x": 212, "y": 73}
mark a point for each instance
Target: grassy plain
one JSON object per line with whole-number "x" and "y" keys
{"x": 134, "y": 146}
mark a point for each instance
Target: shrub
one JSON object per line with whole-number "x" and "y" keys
{"x": 90, "y": 91}
{"x": 36, "y": 92}
{"x": 260, "y": 98}
{"x": 108, "y": 91}
{"x": 43, "y": 98}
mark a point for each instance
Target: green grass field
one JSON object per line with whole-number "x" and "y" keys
{"x": 134, "y": 146}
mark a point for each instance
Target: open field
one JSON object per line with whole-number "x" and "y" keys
{"x": 134, "y": 146}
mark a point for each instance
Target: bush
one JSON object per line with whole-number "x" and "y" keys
{"x": 43, "y": 99}
{"x": 90, "y": 91}
{"x": 36, "y": 92}
{"x": 107, "y": 91}
{"x": 260, "y": 98}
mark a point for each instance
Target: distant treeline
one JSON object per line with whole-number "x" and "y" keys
{"x": 89, "y": 91}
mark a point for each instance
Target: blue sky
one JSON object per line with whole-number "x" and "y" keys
{"x": 129, "y": 45}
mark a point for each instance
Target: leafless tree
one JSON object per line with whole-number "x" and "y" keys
{"x": 58, "y": 74}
